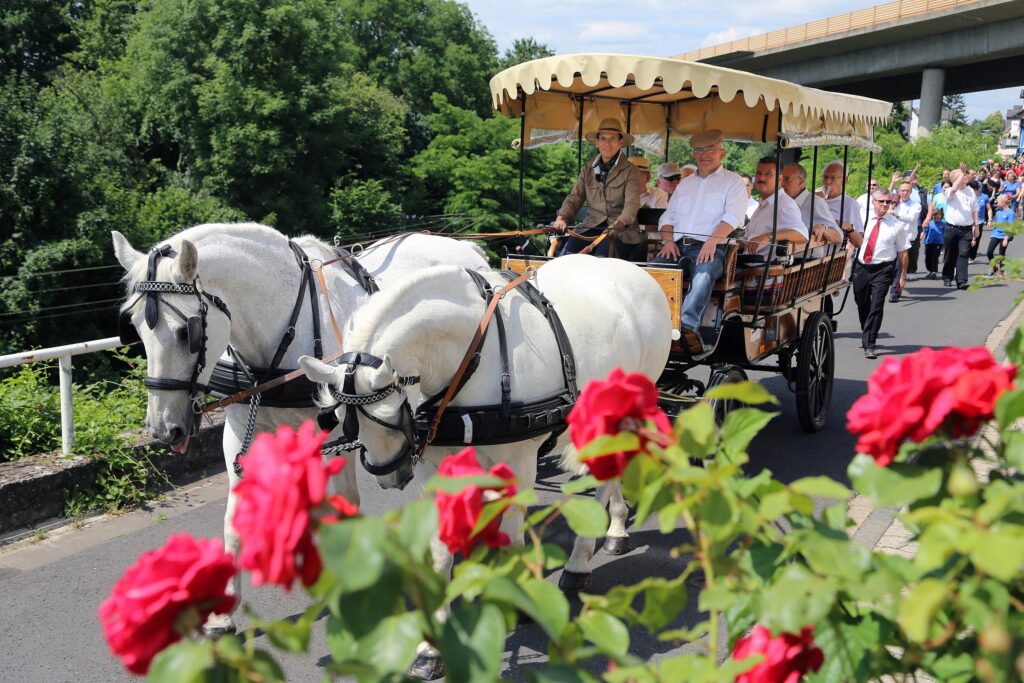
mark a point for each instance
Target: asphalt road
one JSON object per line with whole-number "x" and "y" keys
{"x": 50, "y": 589}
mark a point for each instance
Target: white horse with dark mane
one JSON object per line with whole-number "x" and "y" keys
{"x": 249, "y": 278}
{"x": 404, "y": 346}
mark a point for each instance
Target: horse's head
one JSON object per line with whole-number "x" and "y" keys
{"x": 182, "y": 333}
{"x": 370, "y": 400}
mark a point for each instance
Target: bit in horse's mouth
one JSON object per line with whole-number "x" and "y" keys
{"x": 181, "y": 446}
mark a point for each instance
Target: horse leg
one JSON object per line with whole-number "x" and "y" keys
{"x": 428, "y": 665}
{"x": 576, "y": 575}
{"x": 616, "y": 541}
{"x": 218, "y": 625}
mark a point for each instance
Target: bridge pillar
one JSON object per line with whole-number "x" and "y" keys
{"x": 930, "y": 113}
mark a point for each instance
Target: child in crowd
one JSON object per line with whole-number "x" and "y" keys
{"x": 933, "y": 243}
{"x": 1004, "y": 215}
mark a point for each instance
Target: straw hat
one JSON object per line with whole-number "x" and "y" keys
{"x": 640, "y": 162}
{"x": 610, "y": 125}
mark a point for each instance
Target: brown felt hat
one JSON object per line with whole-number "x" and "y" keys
{"x": 610, "y": 125}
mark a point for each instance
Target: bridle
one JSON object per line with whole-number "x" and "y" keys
{"x": 195, "y": 325}
{"x": 354, "y": 403}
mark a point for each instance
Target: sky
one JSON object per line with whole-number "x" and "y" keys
{"x": 665, "y": 28}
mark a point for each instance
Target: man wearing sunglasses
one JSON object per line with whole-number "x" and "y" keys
{"x": 705, "y": 208}
{"x": 885, "y": 243}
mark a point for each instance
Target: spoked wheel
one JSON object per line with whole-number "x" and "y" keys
{"x": 815, "y": 371}
{"x": 724, "y": 374}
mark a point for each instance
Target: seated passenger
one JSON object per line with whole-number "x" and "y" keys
{"x": 833, "y": 177}
{"x": 705, "y": 208}
{"x": 790, "y": 226}
{"x": 669, "y": 176}
{"x": 609, "y": 187}
{"x": 822, "y": 225}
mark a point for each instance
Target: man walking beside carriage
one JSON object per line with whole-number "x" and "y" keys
{"x": 705, "y": 208}
{"x": 885, "y": 244}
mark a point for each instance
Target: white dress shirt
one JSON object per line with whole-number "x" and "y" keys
{"x": 850, "y": 206}
{"x": 906, "y": 213}
{"x": 892, "y": 239}
{"x": 761, "y": 222}
{"x": 961, "y": 207}
{"x": 699, "y": 204}
{"x": 864, "y": 202}
{"x": 752, "y": 205}
{"x": 822, "y": 214}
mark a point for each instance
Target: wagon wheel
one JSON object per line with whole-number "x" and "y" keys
{"x": 815, "y": 371}
{"x": 724, "y": 374}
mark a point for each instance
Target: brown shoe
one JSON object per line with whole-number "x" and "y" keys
{"x": 693, "y": 340}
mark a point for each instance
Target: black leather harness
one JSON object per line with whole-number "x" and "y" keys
{"x": 505, "y": 422}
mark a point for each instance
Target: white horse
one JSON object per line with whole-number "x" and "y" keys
{"x": 252, "y": 269}
{"x": 614, "y": 314}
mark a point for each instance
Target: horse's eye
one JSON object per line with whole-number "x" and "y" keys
{"x": 181, "y": 334}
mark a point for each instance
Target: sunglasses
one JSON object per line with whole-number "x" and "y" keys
{"x": 672, "y": 178}
{"x": 884, "y": 201}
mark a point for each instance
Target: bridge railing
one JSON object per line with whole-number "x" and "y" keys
{"x": 857, "y": 20}
{"x": 63, "y": 356}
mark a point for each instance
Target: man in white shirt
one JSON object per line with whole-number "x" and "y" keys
{"x": 885, "y": 242}
{"x": 905, "y": 211}
{"x": 705, "y": 208}
{"x": 790, "y": 226}
{"x": 832, "y": 178}
{"x": 961, "y": 228}
{"x": 864, "y": 201}
{"x": 821, "y": 224}
{"x": 748, "y": 185}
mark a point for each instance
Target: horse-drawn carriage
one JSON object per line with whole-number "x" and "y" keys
{"x": 763, "y": 309}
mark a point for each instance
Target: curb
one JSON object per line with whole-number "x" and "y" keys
{"x": 34, "y": 489}
{"x": 878, "y": 521}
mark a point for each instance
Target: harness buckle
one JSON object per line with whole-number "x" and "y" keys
{"x": 506, "y": 382}
{"x": 570, "y": 370}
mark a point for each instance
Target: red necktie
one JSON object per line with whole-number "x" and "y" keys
{"x": 869, "y": 250}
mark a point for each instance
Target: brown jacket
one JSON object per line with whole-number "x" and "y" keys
{"x": 618, "y": 199}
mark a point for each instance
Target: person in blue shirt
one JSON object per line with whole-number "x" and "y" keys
{"x": 1011, "y": 188}
{"x": 945, "y": 179}
{"x": 933, "y": 243}
{"x": 1004, "y": 215}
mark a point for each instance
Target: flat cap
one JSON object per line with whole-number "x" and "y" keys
{"x": 706, "y": 138}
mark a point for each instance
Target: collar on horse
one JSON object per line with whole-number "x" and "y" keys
{"x": 433, "y": 423}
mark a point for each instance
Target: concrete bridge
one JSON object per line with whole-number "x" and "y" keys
{"x": 904, "y": 50}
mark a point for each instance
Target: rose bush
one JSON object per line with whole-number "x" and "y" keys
{"x": 773, "y": 557}
{"x": 459, "y": 512}
{"x": 166, "y": 595}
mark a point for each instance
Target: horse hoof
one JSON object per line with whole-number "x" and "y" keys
{"x": 616, "y": 545}
{"x": 217, "y": 632}
{"x": 573, "y": 582}
{"x": 427, "y": 667}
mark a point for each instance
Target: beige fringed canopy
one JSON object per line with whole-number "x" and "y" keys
{"x": 668, "y": 97}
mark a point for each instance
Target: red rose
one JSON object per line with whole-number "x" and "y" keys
{"x": 284, "y": 483}
{"x": 606, "y": 407}
{"x": 459, "y": 512}
{"x": 952, "y": 390}
{"x": 787, "y": 657}
{"x": 164, "y": 595}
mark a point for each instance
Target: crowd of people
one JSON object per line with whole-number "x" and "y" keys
{"x": 706, "y": 207}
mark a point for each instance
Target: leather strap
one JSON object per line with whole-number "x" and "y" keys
{"x": 265, "y": 386}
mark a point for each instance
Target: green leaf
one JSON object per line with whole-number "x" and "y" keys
{"x": 183, "y": 662}
{"x": 917, "y": 609}
{"x": 266, "y": 667}
{"x": 361, "y": 611}
{"x": 560, "y": 673}
{"x": 795, "y": 599}
{"x": 833, "y": 553}
{"x": 1000, "y": 553}
{"x": 551, "y": 603}
{"x": 586, "y": 517}
{"x": 391, "y": 646}
{"x": 751, "y": 393}
{"x": 489, "y": 512}
{"x": 507, "y": 592}
{"x": 848, "y": 648}
{"x": 664, "y": 599}
{"x": 554, "y": 556}
{"x": 286, "y": 635}
{"x": 417, "y": 526}
{"x": 741, "y": 426}
{"x": 697, "y": 430}
{"x": 822, "y": 487}
{"x": 585, "y": 483}
{"x": 717, "y": 515}
{"x": 604, "y": 631}
{"x": 1010, "y": 407}
{"x": 1015, "y": 347}
{"x": 603, "y": 445}
{"x": 354, "y": 550}
{"x": 775, "y": 504}
{"x": 469, "y": 580}
{"x": 473, "y": 642}
{"x": 897, "y": 484}
{"x": 1013, "y": 448}
{"x": 458, "y": 484}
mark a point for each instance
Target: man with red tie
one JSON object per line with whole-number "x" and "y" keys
{"x": 885, "y": 242}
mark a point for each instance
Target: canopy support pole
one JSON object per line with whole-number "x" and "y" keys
{"x": 579, "y": 140}
{"x": 629, "y": 126}
{"x": 522, "y": 159}
{"x": 668, "y": 129}
{"x": 842, "y": 191}
{"x": 871, "y": 169}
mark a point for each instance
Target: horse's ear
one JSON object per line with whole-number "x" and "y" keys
{"x": 187, "y": 263}
{"x": 126, "y": 255}
{"x": 317, "y": 370}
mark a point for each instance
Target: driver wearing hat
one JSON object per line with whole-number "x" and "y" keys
{"x": 610, "y": 187}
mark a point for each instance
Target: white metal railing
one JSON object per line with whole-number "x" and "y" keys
{"x": 63, "y": 355}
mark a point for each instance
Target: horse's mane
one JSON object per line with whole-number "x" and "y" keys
{"x": 202, "y": 234}
{"x": 428, "y": 283}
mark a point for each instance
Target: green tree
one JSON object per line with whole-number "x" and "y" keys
{"x": 415, "y": 48}
{"x": 34, "y": 37}
{"x": 523, "y": 50}
{"x": 957, "y": 107}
